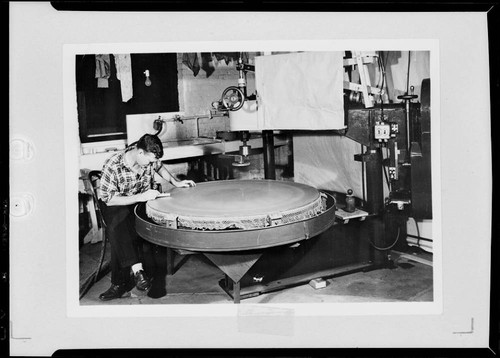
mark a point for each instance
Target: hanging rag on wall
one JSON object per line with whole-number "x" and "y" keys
{"x": 207, "y": 63}
{"x": 124, "y": 74}
{"x": 102, "y": 70}
{"x": 191, "y": 61}
{"x": 231, "y": 56}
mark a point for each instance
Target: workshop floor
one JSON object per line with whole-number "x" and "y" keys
{"x": 196, "y": 282}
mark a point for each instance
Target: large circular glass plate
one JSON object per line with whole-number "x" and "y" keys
{"x": 243, "y": 204}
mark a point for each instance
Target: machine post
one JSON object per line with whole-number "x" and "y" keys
{"x": 408, "y": 98}
{"x": 268, "y": 145}
{"x": 375, "y": 199}
{"x": 374, "y": 183}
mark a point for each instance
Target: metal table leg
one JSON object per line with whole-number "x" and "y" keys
{"x": 170, "y": 262}
{"x": 234, "y": 265}
{"x": 236, "y": 292}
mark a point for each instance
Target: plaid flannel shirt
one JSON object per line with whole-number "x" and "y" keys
{"x": 119, "y": 179}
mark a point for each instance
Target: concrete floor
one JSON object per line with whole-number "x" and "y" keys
{"x": 196, "y": 281}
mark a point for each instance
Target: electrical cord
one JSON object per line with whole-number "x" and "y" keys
{"x": 363, "y": 173}
{"x": 387, "y": 179}
{"x": 385, "y": 172}
{"x": 388, "y": 247}
{"x": 385, "y": 75}
{"x": 382, "y": 67}
{"x": 408, "y": 75}
{"x": 380, "y": 70}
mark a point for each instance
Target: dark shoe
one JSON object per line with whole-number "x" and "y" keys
{"x": 115, "y": 291}
{"x": 142, "y": 282}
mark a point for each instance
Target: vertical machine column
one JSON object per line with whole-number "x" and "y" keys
{"x": 268, "y": 146}
{"x": 375, "y": 200}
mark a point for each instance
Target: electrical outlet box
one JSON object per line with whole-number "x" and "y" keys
{"x": 382, "y": 131}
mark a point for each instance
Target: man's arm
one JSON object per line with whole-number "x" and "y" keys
{"x": 117, "y": 200}
{"x": 165, "y": 174}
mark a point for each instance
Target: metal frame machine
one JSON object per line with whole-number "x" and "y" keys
{"x": 395, "y": 148}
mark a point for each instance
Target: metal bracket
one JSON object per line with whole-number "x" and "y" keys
{"x": 306, "y": 231}
{"x": 171, "y": 221}
{"x": 275, "y": 219}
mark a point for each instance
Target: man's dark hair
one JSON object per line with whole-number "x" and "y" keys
{"x": 151, "y": 143}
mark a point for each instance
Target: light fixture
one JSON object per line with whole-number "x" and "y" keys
{"x": 148, "y": 81}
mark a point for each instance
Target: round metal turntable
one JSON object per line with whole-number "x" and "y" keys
{"x": 274, "y": 214}
{"x": 235, "y": 215}
{"x": 237, "y": 204}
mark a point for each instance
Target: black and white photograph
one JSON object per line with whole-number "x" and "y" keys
{"x": 188, "y": 180}
{"x": 274, "y": 177}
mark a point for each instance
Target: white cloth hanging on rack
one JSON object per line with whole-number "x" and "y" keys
{"x": 327, "y": 162}
{"x": 124, "y": 74}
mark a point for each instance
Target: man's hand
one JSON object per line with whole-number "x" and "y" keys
{"x": 185, "y": 184}
{"x": 149, "y": 195}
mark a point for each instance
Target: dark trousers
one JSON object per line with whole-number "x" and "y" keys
{"x": 127, "y": 248}
{"x": 124, "y": 242}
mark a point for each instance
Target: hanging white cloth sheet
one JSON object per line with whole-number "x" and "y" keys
{"x": 327, "y": 162}
{"x": 300, "y": 91}
{"x": 124, "y": 74}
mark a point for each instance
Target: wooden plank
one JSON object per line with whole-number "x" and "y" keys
{"x": 365, "y": 80}
{"x": 255, "y": 290}
{"x": 412, "y": 258}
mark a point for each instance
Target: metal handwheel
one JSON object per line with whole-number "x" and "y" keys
{"x": 233, "y": 98}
